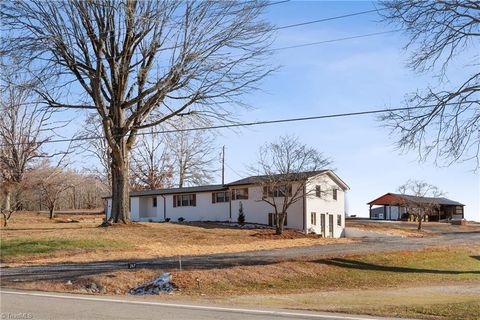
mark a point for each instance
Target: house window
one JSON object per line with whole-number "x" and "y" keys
{"x": 313, "y": 218}
{"x": 154, "y": 203}
{"x": 339, "y": 220}
{"x": 335, "y": 194}
{"x": 240, "y": 194}
{"x": 223, "y": 196}
{"x": 272, "y": 218}
{"x": 184, "y": 200}
{"x": 279, "y": 191}
{"x": 318, "y": 191}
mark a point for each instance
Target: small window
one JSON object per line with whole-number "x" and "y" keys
{"x": 335, "y": 194}
{"x": 318, "y": 191}
{"x": 240, "y": 194}
{"x": 272, "y": 218}
{"x": 154, "y": 202}
{"x": 339, "y": 220}
{"x": 313, "y": 218}
{"x": 184, "y": 200}
{"x": 219, "y": 197}
{"x": 277, "y": 192}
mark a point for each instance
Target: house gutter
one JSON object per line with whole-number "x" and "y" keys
{"x": 164, "y": 207}
{"x": 230, "y": 205}
{"x": 304, "y": 209}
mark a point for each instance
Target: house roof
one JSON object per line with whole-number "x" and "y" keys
{"x": 290, "y": 177}
{"x": 245, "y": 181}
{"x": 396, "y": 199}
{"x": 208, "y": 188}
{"x": 279, "y": 177}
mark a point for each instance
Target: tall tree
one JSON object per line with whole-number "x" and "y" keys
{"x": 96, "y": 147}
{"x": 441, "y": 34}
{"x": 140, "y": 63}
{"x": 192, "y": 154}
{"x": 25, "y": 126}
{"x": 423, "y": 203}
{"x": 151, "y": 164}
{"x": 282, "y": 169}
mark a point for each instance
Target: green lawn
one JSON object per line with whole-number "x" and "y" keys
{"x": 26, "y": 247}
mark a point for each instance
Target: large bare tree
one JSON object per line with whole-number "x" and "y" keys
{"x": 192, "y": 154}
{"x": 25, "y": 126}
{"x": 420, "y": 199}
{"x": 140, "y": 63}
{"x": 94, "y": 146}
{"x": 151, "y": 164}
{"x": 441, "y": 33}
{"x": 282, "y": 169}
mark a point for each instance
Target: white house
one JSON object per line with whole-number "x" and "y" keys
{"x": 320, "y": 210}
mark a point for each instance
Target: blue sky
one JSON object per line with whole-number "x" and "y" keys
{"x": 352, "y": 75}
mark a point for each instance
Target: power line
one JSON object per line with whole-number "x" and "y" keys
{"x": 334, "y": 40}
{"x": 248, "y": 124}
{"x": 326, "y": 19}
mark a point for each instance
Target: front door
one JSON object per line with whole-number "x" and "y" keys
{"x": 330, "y": 225}
{"x": 322, "y": 224}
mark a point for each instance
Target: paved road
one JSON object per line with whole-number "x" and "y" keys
{"x": 261, "y": 257}
{"x": 35, "y": 305}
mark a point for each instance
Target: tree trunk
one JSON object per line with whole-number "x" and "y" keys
{"x": 120, "y": 195}
{"x": 419, "y": 223}
{"x": 8, "y": 197}
{"x": 5, "y": 220}
{"x": 280, "y": 222}
{"x": 52, "y": 212}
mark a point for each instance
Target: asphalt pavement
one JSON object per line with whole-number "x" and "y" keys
{"x": 15, "y": 304}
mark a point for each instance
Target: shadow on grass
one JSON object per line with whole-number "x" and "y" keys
{"x": 360, "y": 265}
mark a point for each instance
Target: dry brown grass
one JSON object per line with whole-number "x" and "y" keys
{"x": 408, "y": 269}
{"x": 144, "y": 240}
{"x": 389, "y": 229}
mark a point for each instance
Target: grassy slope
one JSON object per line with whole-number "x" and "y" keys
{"x": 11, "y": 248}
{"x": 142, "y": 240}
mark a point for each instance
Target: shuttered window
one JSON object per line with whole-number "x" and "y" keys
{"x": 313, "y": 218}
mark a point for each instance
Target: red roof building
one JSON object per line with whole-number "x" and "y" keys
{"x": 392, "y": 206}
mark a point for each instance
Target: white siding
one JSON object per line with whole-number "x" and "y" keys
{"x": 204, "y": 210}
{"x": 256, "y": 210}
{"x": 325, "y": 205}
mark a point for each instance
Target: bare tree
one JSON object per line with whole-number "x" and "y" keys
{"x": 441, "y": 32}
{"x": 151, "y": 165}
{"x": 420, "y": 199}
{"x": 25, "y": 126}
{"x": 282, "y": 169}
{"x": 96, "y": 147}
{"x": 192, "y": 154}
{"x": 9, "y": 205}
{"x": 141, "y": 63}
{"x": 52, "y": 182}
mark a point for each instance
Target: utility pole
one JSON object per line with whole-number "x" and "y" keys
{"x": 223, "y": 165}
